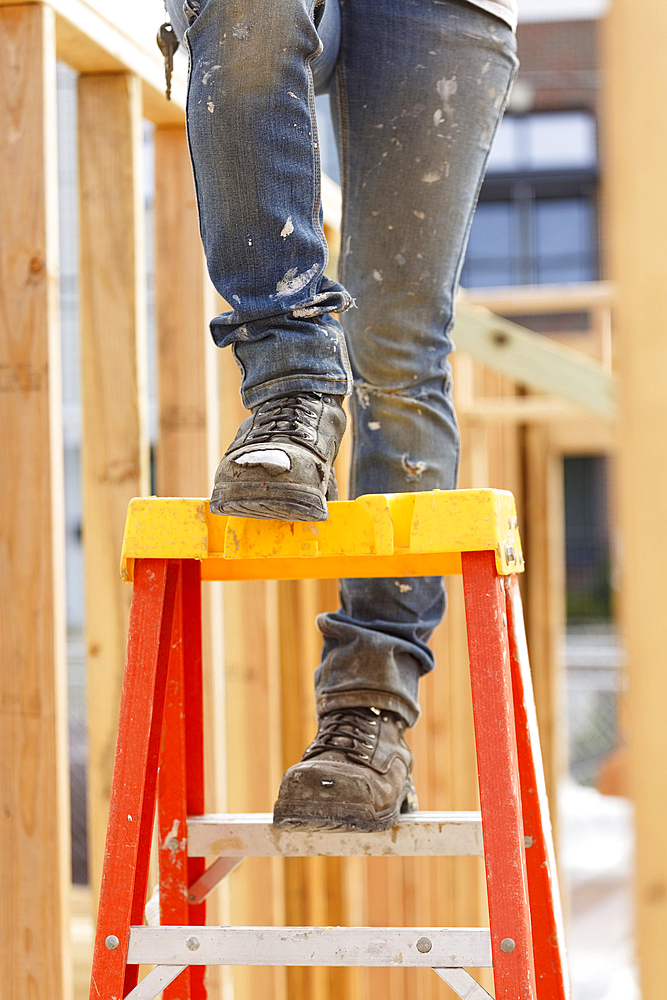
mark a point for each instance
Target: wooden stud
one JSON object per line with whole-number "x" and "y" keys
{"x": 92, "y": 40}
{"x": 253, "y": 700}
{"x": 522, "y": 299}
{"x": 188, "y": 448}
{"x": 535, "y": 361}
{"x": 114, "y": 399}
{"x": 635, "y": 214}
{"x": 543, "y": 530}
{"x": 185, "y": 302}
{"x": 34, "y": 831}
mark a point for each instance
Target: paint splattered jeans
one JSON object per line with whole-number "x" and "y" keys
{"x": 417, "y": 91}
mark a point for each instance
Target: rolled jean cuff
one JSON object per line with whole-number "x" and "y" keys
{"x": 295, "y": 383}
{"x": 409, "y": 711}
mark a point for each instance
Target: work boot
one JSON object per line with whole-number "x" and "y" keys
{"x": 355, "y": 775}
{"x": 280, "y": 464}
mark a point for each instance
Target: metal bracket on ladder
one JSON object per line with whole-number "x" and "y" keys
{"x": 463, "y": 984}
{"x": 157, "y": 980}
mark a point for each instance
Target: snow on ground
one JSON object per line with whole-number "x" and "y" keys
{"x": 597, "y": 851}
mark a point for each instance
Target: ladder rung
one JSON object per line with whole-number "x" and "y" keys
{"x": 450, "y": 947}
{"x": 420, "y": 834}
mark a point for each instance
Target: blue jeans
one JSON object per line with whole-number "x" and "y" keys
{"x": 417, "y": 88}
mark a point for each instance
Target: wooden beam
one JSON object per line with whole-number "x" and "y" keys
{"x": 534, "y": 361}
{"x": 524, "y": 299}
{"x": 188, "y": 447}
{"x": 635, "y": 202}
{"x": 518, "y": 409}
{"x": 92, "y": 43}
{"x": 313, "y": 891}
{"x": 252, "y": 665}
{"x": 543, "y": 528}
{"x": 34, "y": 784}
{"x": 571, "y": 436}
{"x": 114, "y": 400}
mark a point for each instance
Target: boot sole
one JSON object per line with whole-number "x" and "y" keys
{"x": 271, "y": 501}
{"x": 343, "y": 817}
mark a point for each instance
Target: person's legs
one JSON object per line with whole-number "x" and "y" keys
{"x": 420, "y": 89}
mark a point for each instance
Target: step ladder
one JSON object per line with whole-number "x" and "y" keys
{"x": 170, "y": 546}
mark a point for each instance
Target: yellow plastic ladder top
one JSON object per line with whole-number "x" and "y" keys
{"x": 395, "y": 534}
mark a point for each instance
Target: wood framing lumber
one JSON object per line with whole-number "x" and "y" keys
{"x": 635, "y": 204}
{"x": 534, "y": 361}
{"x": 188, "y": 448}
{"x": 114, "y": 399}
{"x": 519, "y": 409}
{"x": 34, "y": 778}
{"x": 524, "y": 299}
{"x": 188, "y": 445}
{"x": 89, "y": 42}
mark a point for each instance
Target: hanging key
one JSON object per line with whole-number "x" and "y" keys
{"x": 167, "y": 42}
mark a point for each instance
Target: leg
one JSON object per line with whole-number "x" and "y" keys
{"x": 180, "y": 788}
{"x": 420, "y": 89}
{"x": 550, "y": 956}
{"x": 253, "y": 141}
{"x": 132, "y": 807}
{"x": 194, "y": 738}
{"x": 497, "y": 762}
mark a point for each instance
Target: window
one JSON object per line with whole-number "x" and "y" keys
{"x": 536, "y": 221}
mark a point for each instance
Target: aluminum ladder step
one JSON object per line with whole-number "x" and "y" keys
{"x": 426, "y": 947}
{"x": 420, "y": 834}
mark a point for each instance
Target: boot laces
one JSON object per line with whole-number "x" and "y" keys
{"x": 351, "y": 731}
{"x": 295, "y": 416}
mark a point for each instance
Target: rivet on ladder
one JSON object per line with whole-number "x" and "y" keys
{"x": 424, "y": 945}
{"x": 192, "y": 943}
{"x": 507, "y": 945}
{"x": 527, "y": 841}
{"x": 111, "y": 942}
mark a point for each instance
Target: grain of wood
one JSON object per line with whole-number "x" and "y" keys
{"x": 184, "y": 306}
{"x": 252, "y": 669}
{"x": 543, "y": 532}
{"x": 189, "y": 437}
{"x": 89, "y": 41}
{"x": 636, "y": 253}
{"x": 34, "y": 784}
{"x": 114, "y": 399}
{"x": 535, "y": 361}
